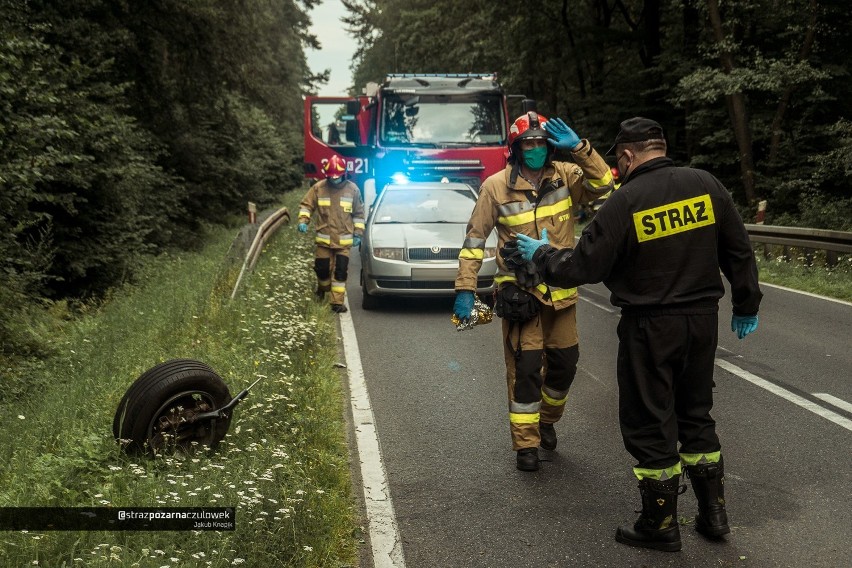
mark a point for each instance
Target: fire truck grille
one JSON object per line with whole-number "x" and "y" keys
{"x": 427, "y": 254}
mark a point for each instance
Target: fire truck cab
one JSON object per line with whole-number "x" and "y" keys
{"x": 416, "y": 127}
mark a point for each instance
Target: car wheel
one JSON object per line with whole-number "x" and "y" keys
{"x": 489, "y": 299}
{"x": 368, "y": 302}
{"x": 154, "y": 416}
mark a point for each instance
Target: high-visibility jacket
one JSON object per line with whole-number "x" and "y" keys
{"x": 339, "y": 213}
{"x": 521, "y": 208}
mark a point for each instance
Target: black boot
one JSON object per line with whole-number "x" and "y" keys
{"x": 528, "y": 459}
{"x": 339, "y": 308}
{"x": 657, "y": 526}
{"x": 548, "y": 436}
{"x": 319, "y": 295}
{"x": 708, "y": 483}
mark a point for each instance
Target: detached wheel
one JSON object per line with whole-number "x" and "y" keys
{"x": 155, "y": 415}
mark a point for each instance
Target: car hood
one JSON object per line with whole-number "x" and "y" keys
{"x": 445, "y": 235}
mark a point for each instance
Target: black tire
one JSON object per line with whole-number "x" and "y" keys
{"x": 368, "y": 302}
{"x": 151, "y": 417}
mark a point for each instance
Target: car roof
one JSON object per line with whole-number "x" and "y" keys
{"x": 415, "y": 185}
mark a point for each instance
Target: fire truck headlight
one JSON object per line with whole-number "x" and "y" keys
{"x": 389, "y": 253}
{"x": 399, "y": 178}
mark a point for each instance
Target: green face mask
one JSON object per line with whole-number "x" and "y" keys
{"x": 535, "y": 157}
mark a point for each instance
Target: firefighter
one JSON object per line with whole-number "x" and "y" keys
{"x": 339, "y": 225}
{"x": 658, "y": 244}
{"x": 531, "y": 195}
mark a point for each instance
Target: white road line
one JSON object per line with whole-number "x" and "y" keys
{"x": 597, "y": 305}
{"x": 805, "y": 293}
{"x": 833, "y": 400}
{"x": 785, "y": 394}
{"x": 384, "y": 534}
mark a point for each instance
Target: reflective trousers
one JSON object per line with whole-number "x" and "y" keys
{"x": 540, "y": 376}
{"x": 665, "y": 386}
{"x": 332, "y": 267}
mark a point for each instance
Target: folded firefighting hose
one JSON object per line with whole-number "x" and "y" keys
{"x": 480, "y": 315}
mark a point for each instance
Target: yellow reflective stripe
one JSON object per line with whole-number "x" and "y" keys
{"x": 507, "y": 278}
{"x": 658, "y": 474}
{"x": 519, "y": 219}
{"x": 553, "y": 401}
{"x": 324, "y": 201}
{"x": 344, "y": 241}
{"x": 693, "y": 459}
{"x": 305, "y": 213}
{"x": 338, "y": 288}
{"x": 606, "y": 180}
{"x": 555, "y": 209}
{"x": 518, "y": 418}
{"x": 471, "y": 254}
{"x": 557, "y": 294}
{"x": 323, "y": 239}
{"x": 359, "y": 225}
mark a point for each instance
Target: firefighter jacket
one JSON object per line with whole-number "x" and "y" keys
{"x": 658, "y": 244}
{"x": 521, "y": 208}
{"x": 339, "y": 213}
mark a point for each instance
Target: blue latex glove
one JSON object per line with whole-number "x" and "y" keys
{"x": 303, "y": 227}
{"x": 528, "y": 245}
{"x": 356, "y": 241}
{"x": 743, "y": 325}
{"x": 463, "y": 307}
{"x": 563, "y": 137}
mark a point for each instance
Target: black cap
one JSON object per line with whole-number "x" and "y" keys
{"x": 637, "y": 129}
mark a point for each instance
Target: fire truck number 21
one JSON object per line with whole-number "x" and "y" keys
{"x": 357, "y": 166}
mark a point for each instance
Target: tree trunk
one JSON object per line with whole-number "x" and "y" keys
{"x": 736, "y": 108}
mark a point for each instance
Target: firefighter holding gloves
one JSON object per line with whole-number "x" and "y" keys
{"x": 533, "y": 195}
{"x": 339, "y": 220}
{"x": 658, "y": 244}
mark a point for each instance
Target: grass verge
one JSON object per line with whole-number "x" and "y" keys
{"x": 283, "y": 465}
{"x": 809, "y": 274}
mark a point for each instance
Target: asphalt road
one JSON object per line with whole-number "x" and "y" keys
{"x": 439, "y": 400}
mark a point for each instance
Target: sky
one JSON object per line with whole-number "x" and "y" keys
{"x": 337, "y": 47}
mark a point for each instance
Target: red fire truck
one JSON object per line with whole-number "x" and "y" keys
{"x": 419, "y": 127}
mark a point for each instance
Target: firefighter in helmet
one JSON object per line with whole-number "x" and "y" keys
{"x": 534, "y": 195}
{"x": 339, "y": 223}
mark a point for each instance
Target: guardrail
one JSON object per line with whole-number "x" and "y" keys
{"x": 833, "y": 242}
{"x": 266, "y": 229}
{"x": 820, "y": 239}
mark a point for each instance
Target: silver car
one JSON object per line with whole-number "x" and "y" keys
{"x": 412, "y": 241}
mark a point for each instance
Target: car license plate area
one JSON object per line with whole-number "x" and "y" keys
{"x": 434, "y": 274}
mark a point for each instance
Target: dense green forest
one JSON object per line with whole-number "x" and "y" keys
{"x": 756, "y": 91}
{"x": 128, "y": 126}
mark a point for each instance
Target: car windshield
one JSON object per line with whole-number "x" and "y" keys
{"x": 425, "y": 206}
{"x": 435, "y": 120}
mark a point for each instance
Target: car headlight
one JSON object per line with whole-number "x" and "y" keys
{"x": 490, "y": 252}
{"x": 389, "y": 253}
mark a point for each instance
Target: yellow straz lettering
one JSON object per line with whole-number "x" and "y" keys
{"x": 674, "y": 218}
{"x": 564, "y": 217}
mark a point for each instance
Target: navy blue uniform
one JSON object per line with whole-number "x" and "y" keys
{"x": 658, "y": 244}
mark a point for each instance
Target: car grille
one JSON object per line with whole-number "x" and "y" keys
{"x": 427, "y": 254}
{"x": 427, "y": 285}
